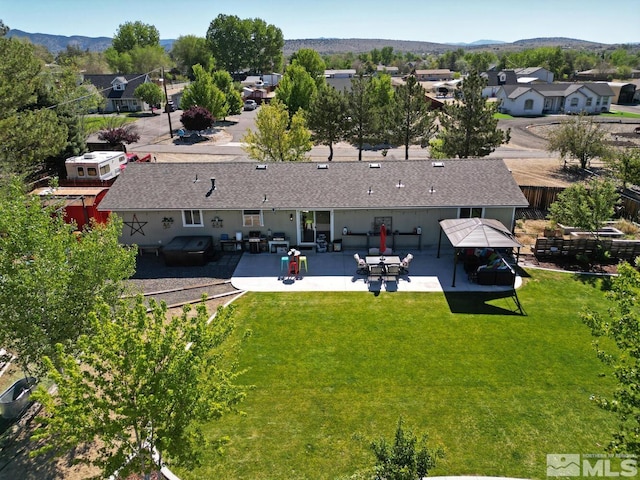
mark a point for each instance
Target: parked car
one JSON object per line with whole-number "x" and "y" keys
{"x": 250, "y": 105}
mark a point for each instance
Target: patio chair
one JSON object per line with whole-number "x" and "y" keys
{"x": 392, "y": 274}
{"x": 404, "y": 264}
{"x": 362, "y": 268}
{"x": 376, "y": 273}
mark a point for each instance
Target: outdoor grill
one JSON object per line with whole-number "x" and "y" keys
{"x": 278, "y": 236}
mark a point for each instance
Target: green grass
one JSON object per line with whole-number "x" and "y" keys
{"x": 334, "y": 371}
{"x": 502, "y": 116}
{"x": 621, "y": 115}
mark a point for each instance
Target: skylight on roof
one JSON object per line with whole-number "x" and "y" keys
{"x": 437, "y": 164}
{"x": 374, "y": 165}
{"x": 323, "y": 166}
{"x": 261, "y": 167}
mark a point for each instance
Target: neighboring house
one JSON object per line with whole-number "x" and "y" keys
{"x": 118, "y": 91}
{"x": 541, "y": 99}
{"x": 434, "y": 75}
{"x": 495, "y": 79}
{"x": 347, "y": 73}
{"x": 602, "y": 74}
{"x": 389, "y": 70}
{"x": 308, "y": 201}
{"x": 539, "y": 73}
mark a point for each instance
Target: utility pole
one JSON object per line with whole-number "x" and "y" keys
{"x": 166, "y": 102}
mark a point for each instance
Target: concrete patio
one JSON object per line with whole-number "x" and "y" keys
{"x": 336, "y": 272}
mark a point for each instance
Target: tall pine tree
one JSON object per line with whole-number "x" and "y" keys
{"x": 468, "y": 126}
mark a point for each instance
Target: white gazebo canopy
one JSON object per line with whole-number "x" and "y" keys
{"x": 478, "y": 233}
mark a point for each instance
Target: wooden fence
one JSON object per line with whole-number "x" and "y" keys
{"x": 540, "y": 198}
{"x": 590, "y": 247}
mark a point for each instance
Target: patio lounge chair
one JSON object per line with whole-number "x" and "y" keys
{"x": 362, "y": 268}
{"x": 404, "y": 264}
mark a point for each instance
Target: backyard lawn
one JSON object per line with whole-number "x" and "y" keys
{"x": 333, "y": 371}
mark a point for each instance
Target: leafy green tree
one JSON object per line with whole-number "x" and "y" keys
{"x": 142, "y": 384}
{"x": 277, "y": 138}
{"x": 265, "y": 54}
{"x": 362, "y": 113}
{"x": 296, "y": 88}
{"x": 327, "y": 117}
{"x": 407, "y": 459}
{"x": 250, "y": 43}
{"x": 312, "y": 62}
{"x": 586, "y": 206}
{"x": 579, "y": 137}
{"x": 3, "y": 29}
{"x": 229, "y": 40}
{"x": 148, "y": 58}
{"x": 190, "y": 50}
{"x": 203, "y": 92}
{"x": 51, "y": 277}
{"x": 135, "y": 34}
{"x": 625, "y": 164}
{"x": 412, "y": 123}
{"x": 28, "y": 134}
{"x": 136, "y": 48}
{"x": 120, "y": 62}
{"x": 386, "y": 55}
{"x": 468, "y": 126}
{"x": 617, "y": 338}
{"x": 222, "y": 79}
{"x": 149, "y": 93}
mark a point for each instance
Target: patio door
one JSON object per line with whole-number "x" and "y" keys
{"x": 313, "y": 223}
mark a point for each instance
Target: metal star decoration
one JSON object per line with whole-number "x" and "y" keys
{"x": 136, "y": 226}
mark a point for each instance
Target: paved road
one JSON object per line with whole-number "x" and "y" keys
{"x": 155, "y": 138}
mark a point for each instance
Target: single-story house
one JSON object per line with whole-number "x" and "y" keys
{"x": 117, "y": 89}
{"x": 345, "y": 73}
{"x": 541, "y": 99}
{"x": 308, "y": 202}
{"x": 539, "y": 73}
{"x": 433, "y": 75}
{"x": 602, "y": 74}
{"x": 387, "y": 69}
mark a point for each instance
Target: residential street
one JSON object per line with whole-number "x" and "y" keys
{"x": 525, "y": 154}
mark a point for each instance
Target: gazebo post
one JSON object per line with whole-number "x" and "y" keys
{"x": 455, "y": 266}
{"x": 439, "y": 240}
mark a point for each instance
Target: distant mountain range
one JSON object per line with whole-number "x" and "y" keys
{"x": 58, "y": 43}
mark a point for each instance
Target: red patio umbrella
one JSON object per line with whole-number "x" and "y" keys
{"x": 383, "y": 239}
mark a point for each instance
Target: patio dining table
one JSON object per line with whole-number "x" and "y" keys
{"x": 385, "y": 260}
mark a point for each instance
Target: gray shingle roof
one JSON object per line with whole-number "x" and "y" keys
{"x": 342, "y": 185}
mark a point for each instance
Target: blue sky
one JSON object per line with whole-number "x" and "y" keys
{"x": 423, "y": 20}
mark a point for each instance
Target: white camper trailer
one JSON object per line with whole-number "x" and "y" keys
{"x": 96, "y": 166}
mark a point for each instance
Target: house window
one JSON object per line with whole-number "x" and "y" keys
{"x": 589, "y": 100}
{"x": 192, "y": 218}
{"x": 104, "y": 169}
{"x": 81, "y": 171}
{"x": 598, "y": 101}
{"x": 92, "y": 172}
{"x": 252, "y": 218}
{"x": 470, "y": 212}
{"x": 574, "y": 102}
{"x": 528, "y": 104}
{"x": 605, "y": 101}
